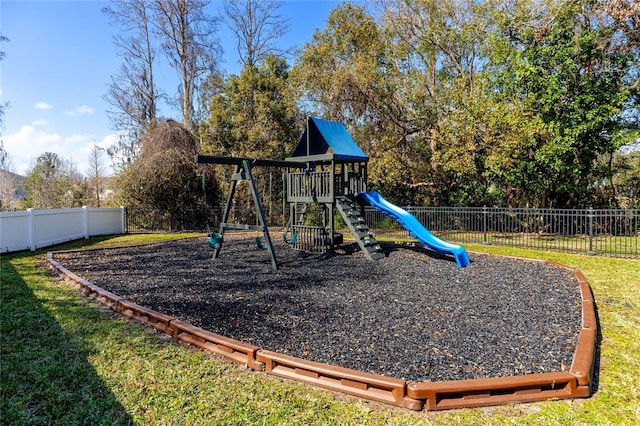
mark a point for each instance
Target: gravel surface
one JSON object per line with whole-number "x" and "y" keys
{"x": 413, "y": 315}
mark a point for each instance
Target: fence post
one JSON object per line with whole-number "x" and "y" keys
{"x": 484, "y": 224}
{"x": 31, "y": 230}
{"x": 591, "y": 253}
{"x": 85, "y": 222}
{"x": 122, "y": 220}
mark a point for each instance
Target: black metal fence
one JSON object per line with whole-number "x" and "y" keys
{"x": 592, "y": 231}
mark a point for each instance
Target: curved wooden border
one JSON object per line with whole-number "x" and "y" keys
{"x": 576, "y": 383}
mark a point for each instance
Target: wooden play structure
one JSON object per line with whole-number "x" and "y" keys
{"x": 324, "y": 175}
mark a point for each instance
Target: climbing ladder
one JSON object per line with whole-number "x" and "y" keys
{"x": 360, "y": 230}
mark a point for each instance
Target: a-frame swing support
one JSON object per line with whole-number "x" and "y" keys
{"x": 242, "y": 171}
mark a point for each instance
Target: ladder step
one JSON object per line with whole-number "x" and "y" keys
{"x": 362, "y": 235}
{"x": 370, "y": 242}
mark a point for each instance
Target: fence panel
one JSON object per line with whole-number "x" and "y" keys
{"x": 15, "y": 231}
{"x": 34, "y": 229}
{"x": 105, "y": 221}
{"x": 56, "y": 226}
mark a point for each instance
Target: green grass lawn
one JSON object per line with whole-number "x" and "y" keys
{"x": 66, "y": 360}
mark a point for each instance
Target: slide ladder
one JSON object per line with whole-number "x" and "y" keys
{"x": 416, "y": 229}
{"x": 354, "y": 220}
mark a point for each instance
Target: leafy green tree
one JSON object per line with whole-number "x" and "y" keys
{"x": 568, "y": 71}
{"x": 271, "y": 131}
{"x": 347, "y": 73}
{"x": 255, "y": 115}
{"x": 52, "y": 182}
{"x": 625, "y": 183}
{"x": 410, "y": 87}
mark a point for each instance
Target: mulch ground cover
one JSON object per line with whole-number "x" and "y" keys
{"x": 412, "y": 315}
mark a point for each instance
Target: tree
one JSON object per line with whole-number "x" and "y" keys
{"x": 271, "y": 132}
{"x": 133, "y": 92}
{"x": 439, "y": 48}
{"x": 346, "y": 74}
{"x": 568, "y": 70}
{"x": 8, "y": 182}
{"x": 256, "y": 26}
{"x": 403, "y": 84}
{"x": 52, "y": 182}
{"x": 627, "y": 178}
{"x": 188, "y": 38}
{"x": 466, "y": 102}
{"x": 165, "y": 175}
{"x": 95, "y": 175}
{"x": 275, "y": 125}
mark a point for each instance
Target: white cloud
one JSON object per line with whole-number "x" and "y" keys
{"x": 25, "y": 146}
{"x": 28, "y": 144}
{"x": 109, "y": 140}
{"x": 73, "y": 139}
{"x": 81, "y": 110}
{"x": 43, "y": 105}
{"x": 82, "y": 147}
{"x": 40, "y": 123}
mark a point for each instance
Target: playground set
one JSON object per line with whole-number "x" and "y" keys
{"x": 327, "y": 168}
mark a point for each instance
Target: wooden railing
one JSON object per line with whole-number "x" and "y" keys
{"x": 319, "y": 186}
{"x": 311, "y": 239}
{"x": 312, "y": 186}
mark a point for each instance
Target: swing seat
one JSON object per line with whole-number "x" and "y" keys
{"x": 294, "y": 238}
{"x": 215, "y": 241}
{"x": 259, "y": 243}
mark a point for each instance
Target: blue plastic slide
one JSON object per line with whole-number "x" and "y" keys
{"x": 416, "y": 229}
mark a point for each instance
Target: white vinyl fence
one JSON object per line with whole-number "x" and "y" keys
{"x": 34, "y": 229}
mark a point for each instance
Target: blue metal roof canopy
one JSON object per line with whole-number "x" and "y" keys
{"x": 327, "y": 140}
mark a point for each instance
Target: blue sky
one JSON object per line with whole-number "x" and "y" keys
{"x": 58, "y": 66}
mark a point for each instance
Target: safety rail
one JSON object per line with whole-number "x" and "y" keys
{"x": 316, "y": 186}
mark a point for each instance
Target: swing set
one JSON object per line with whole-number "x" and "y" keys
{"x": 243, "y": 172}
{"x": 326, "y": 169}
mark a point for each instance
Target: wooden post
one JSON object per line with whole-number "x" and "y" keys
{"x": 227, "y": 206}
{"x": 263, "y": 222}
